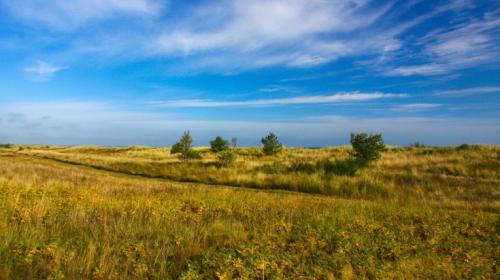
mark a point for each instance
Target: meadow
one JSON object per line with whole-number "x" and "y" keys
{"x": 141, "y": 213}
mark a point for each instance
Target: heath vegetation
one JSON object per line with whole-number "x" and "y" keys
{"x": 366, "y": 211}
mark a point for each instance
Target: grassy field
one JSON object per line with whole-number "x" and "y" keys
{"x": 139, "y": 212}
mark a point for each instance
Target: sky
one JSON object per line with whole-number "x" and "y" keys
{"x": 140, "y": 72}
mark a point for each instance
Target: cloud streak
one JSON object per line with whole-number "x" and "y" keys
{"x": 319, "y": 99}
{"x": 415, "y": 107}
{"x": 459, "y": 46}
{"x": 62, "y": 15}
{"x": 231, "y": 36}
{"x": 468, "y": 91}
{"x": 43, "y": 71}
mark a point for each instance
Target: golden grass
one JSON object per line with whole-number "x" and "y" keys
{"x": 72, "y": 221}
{"x": 452, "y": 176}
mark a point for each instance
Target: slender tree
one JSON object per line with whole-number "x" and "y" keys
{"x": 234, "y": 142}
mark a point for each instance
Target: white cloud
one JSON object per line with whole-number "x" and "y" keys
{"x": 66, "y": 15}
{"x": 416, "y": 107}
{"x": 320, "y": 99}
{"x": 468, "y": 91}
{"x": 429, "y": 69}
{"x": 455, "y": 47}
{"x": 42, "y": 71}
{"x": 261, "y": 33}
{"x": 230, "y": 36}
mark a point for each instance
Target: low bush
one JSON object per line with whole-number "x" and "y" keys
{"x": 176, "y": 148}
{"x": 219, "y": 144}
{"x": 302, "y": 167}
{"x": 417, "y": 145}
{"x": 190, "y": 154}
{"x": 225, "y": 158}
{"x": 344, "y": 167}
{"x": 273, "y": 168}
{"x": 468, "y": 147}
{"x": 271, "y": 144}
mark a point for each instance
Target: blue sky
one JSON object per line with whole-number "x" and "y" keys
{"x": 124, "y": 72}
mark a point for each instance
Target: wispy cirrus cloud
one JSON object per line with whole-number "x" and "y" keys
{"x": 226, "y": 36}
{"x": 229, "y": 37}
{"x": 416, "y": 107}
{"x": 42, "y": 71}
{"x": 461, "y": 45}
{"x": 263, "y": 33}
{"x": 319, "y": 99}
{"x": 468, "y": 91}
{"x": 65, "y": 15}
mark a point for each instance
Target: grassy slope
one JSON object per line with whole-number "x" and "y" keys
{"x": 57, "y": 219}
{"x": 467, "y": 178}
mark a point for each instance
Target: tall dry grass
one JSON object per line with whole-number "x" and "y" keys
{"x": 460, "y": 177}
{"x": 65, "y": 221}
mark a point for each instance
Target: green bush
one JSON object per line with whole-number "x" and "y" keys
{"x": 344, "y": 167}
{"x": 417, "y": 145}
{"x": 176, "y": 148}
{"x": 226, "y": 158}
{"x": 303, "y": 167}
{"x": 271, "y": 144}
{"x": 184, "y": 147}
{"x": 274, "y": 168}
{"x": 190, "y": 154}
{"x": 367, "y": 148}
{"x": 468, "y": 147}
{"x": 219, "y": 144}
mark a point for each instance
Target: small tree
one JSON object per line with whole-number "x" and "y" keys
{"x": 234, "y": 142}
{"x": 219, "y": 144}
{"x": 186, "y": 142}
{"x": 225, "y": 158}
{"x": 184, "y": 147}
{"x": 190, "y": 154}
{"x": 271, "y": 144}
{"x": 367, "y": 148}
{"x": 176, "y": 148}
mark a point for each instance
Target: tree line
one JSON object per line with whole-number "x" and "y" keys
{"x": 366, "y": 149}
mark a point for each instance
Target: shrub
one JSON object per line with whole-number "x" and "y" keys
{"x": 184, "y": 147}
{"x": 345, "y": 167}
{"x": 417, "y": 145}
{"x": 367, "y": 148}
{"x": 271, "y": 144}
{"x": 190, "y": 154}
{"x": 303, "y": 167}
{"x": 274, "y": 168}
{"x": 219, "y": 144}
{"x": 468, "y": 147}
{"x": 225, "y": 158}
{"x": 176, "y": 148}
{"x": 364, "y": 188}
